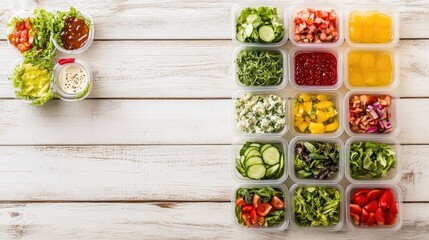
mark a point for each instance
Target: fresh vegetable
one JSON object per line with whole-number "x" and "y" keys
{"x": 71, "y": 29}
{"x": 369, "y": 113}
{"x": 34, "y": 38}
{"x": 260, "y": 113}
{"x": 373, "y": 207}
{"x": 315, "y": 26}
{"x": 263, "y": 206}
{"x": 32, "y": 80}
{"x": 371, "y": 160}
{"x": 369, "y": 69}
{"x": 259, "y": 25}
{"x": 316, "y": 206}
{"x": 315, "y": 114}
{"x": 259, "y": 68}
{"x": 370, "y": 27}
{"x": 317, "y": 160}
{"x": 316, "y": 69}
{"x": 260, "y": 161}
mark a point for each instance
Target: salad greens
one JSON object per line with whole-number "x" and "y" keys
{"x": 259, "y": 68}
{"x": 371, "y": 159}
{"x": 318, "y": 160}
{"x": 259, "y": 25}
{"x": 316, "y": 206}
{"x": 60, "y": 20}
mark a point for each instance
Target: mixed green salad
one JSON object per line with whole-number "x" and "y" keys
{"x": 259, "y": 68}
{"x": 371, "y": 159}
{"x": 317, "y": 160}
{"x": 259, "y": 25}
{"x": 263, "y": 207}
{"x": 260, "y": 161}
{"x": 316, "y": 206}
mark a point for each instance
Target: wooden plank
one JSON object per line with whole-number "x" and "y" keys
{"x": 164, "y": 221}
{"x": 147, "y": 173}
{"x": 150, "y": 122}
{"x": 177, "y": 19}
{"x": 196, "y": 69}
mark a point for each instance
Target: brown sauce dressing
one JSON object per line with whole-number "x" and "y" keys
{"x": 75, "y": 33}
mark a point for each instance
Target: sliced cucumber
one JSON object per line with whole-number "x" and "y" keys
{"x": 252, "y": 161}
{"x": 266, "y": 33}
{"x": 256, "y": 171}
{"x": 271, "y": 156}
{"x": 249, "y": 29}
{"x": 240, "y": 36}
{"x": 251, "y": 18}
{"x": 273, "y": 170}
{"x": 246, "y": 153}
{"x": 240, "y": 168}
{"x": 242, "y": 158}
{"x": 256, "y": 145}
{"x": 265, "y": 146}
{"x": 253, "y": 153}
{"x": 281, "y": 166}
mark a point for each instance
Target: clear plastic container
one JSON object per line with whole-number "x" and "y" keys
{"x": 67, "y": 62}
{"x": 385, "y": 9}
{"x": 282, "y": 14}
{"x": 88, "y": 42}
{"x": 339, "y": 23}
{"x": 336, "y": 227}
{"x": 337, "y": 99}
{"x": 393, "y": 110}
{"x": 295, "y": 51}
{"x": 274, "y": 50}
{"x": 238, "y": 143}
{"x": 336, "y": 178}
{"x": 394, "y": 58}
{"x": 277, "y": 228}
{"x": 351, "y": 189}
{"x": 393, "y": 176}
{"x": 241, "y": 93}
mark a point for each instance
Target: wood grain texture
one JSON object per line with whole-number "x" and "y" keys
{"x": 193, "y": 69}
{"x": 190, "y": 19}
{"x": 150, "y": 122}
{"x": 165, "y": 221}
{"x": 147, "y": 173}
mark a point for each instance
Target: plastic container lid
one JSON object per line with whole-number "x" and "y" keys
{"x": 277, "y": 228}
{"x": 280, "y": 143}
{"x": 336, "y": 227}
{"x": 394, "y": 174}
{"x": 393, "y": 110}
{"x": 385, "y": 9}
{"x": 339, "y": 23}
{"x": 295, "y": 51}
{"x": 376, "y": 228}
{"x": 282, "y": 14}
{"x": 273, "y": 50}
{"x": 336, "y": 177}
{"x": 88, "y": 42}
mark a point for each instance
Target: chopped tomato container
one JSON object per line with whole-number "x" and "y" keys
{"x": 316, "y": 26}
{"x": 373, "y": 207}
{"x": 315, "y": 69}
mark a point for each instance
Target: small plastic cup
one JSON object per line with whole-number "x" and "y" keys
{"x": 393, "y": 110}
{"x": 331, "y": 228}
{"x": 295, "y": 51}
{"x": 336, "y": 178}
{"x": 385, "y": 9}
{"x": 339, "y": 23}
{"x": 277, "y": 228}
{"x": 273, "y": 50}
{"x": 67, "y": 62}
{"x": 88, "y": 42}
{"x": 238, "y": 143}
{"x": 394, "y": 174}
{"x": 351, "y": 189}
{"x": 337, "y": 99}
{"x": 281, "y": 12}
{"x": 394, "y": 58}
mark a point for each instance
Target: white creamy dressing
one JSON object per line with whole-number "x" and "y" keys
{"x": 73, "y": 79}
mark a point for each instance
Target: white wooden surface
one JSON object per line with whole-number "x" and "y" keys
{"x": 148, "y": 156}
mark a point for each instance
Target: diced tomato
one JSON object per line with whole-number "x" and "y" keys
{"x": 240, "y": 202}
{"x": 379, "y": 216}
{"x": 374, "y": 194}
{"x": 389, "y": 218}
{"x": 371, "y": 219}
{"x": 393, "y": 207}
{"x": 364, "y": 216}
{"x": 246, "y": 219}
{"x": 260, "y": 220}
{"x": 354, "y": 208}
{"x": 386, "y": 199}
{"x": 247, "y": 208}
{"x": 277, "y": 203}
{"x": 371, "y": 206}
{"x": 360, "y": 200}
{"x": 253, "y": 215}
{"x": 264, "y": 209}
{"x": 27, "y": 24}
{"x": 356, "y": 218}
{"x": 19, "y": 26}
{"x": 256, "y": 200}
